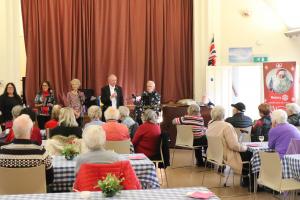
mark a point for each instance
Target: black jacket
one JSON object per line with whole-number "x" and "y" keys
{"x": 105, "y": 97}
{"x": 239, "y": 120}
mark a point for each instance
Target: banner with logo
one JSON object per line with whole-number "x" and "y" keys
{"x": 279, "y": 83}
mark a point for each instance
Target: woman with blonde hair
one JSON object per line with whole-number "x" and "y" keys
{"x": 67, "y": 124}
{"x": 54, "y": 117}
{"x": 75, "y": 100}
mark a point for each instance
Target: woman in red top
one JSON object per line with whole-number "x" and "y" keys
{"x": 146, "y": 139}
{"x": 35, "y": 133}
{"x": 54, "y": 117}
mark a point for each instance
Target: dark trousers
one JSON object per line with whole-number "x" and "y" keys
{"x": 246, "y": 156}
{"x": 198, "y": 152}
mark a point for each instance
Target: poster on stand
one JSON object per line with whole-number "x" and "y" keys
{"x": 279, "y": 83}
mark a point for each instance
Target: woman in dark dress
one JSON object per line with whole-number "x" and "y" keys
{"x": 44, "y": 102}
{"x": 8, "y": 100}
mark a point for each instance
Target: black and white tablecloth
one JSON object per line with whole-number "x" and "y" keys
{"x": 291, "y": 166}
{"x": 156, "y": 194}
{"x": 64, "y": 173}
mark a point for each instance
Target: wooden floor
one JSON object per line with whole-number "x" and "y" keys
{"x": 191, "y": 176}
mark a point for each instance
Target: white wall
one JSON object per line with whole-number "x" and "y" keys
{"x": 12, "y": 49}
{"x": 262, "y": 30}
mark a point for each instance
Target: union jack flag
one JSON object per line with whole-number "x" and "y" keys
{"x": 212, "y": 53}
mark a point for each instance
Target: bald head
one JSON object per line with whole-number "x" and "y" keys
{"x": 112, "y": 80}
{"x": 150, "y": 86}
{"x": 22, "y": 126}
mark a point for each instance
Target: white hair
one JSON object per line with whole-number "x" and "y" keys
{"x": 16, "y": 110}
{"x": 124, "y": 111}
{"x": 67, "y": 117}
{"x": 150, "y": 116}
{"x": 94, "y": 137}
{"x": 151, "y": 82}
{"x": 293, "y": 108}
{"x": 22, "y": 126}
{"x": 217, "y": 113}
{"x": 112, "y": 114}
{"x": 94, "y": 112}
{"x": 279, "y": 116}
{"x": 193, "y": 109}
{"x": 75, "y": 81}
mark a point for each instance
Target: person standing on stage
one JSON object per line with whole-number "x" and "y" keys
{"x": 111, "y": 94}
{"x": 8, "y": 100}
{"x": 44, "y": 102}
{"x": 150, "y": 99}
{"x": 75, "y": 100}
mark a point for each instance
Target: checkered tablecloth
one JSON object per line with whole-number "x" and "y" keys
{"x": 291, "y": 166}
{"x": 64, "y": 174}
{"x": 156, "y": 194}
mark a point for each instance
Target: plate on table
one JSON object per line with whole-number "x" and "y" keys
{"x": 137, "y": 157}
{"x": 254, "y": 145}
{"x": 200, "y": 194}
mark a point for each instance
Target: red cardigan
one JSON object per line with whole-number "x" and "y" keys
{"x": 89, "y": 174}
{"x": 146, "y": 139}
{"x": 51, "y": 124}
{"x": 35, "y": 136}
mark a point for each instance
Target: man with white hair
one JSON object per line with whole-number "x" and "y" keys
{"x": 94, "y": 139}
{"x": 281, "y": 132}
{"x": 111, "y": 94}
{"x": 22, "y": 153}
{"x": 292, "y": 110}
{"x": 150, "y": 99}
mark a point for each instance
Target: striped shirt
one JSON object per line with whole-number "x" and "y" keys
{"x": 23, "y": 153}
{"x": 197, "y": 122}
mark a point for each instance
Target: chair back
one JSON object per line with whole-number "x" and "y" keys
{"x": 214, "y": 150}
{"x": 270, "y": 173}
{"x": 121, "y": 147}
{"x": 185, "y": 136}
{"x": 89, "y": 174}
{"x": 244, "y": 134}
{"x": 294, "y": 146}
{"x": 22, "y": 180}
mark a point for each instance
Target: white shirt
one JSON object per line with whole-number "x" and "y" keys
{"x": 113, "y": 99}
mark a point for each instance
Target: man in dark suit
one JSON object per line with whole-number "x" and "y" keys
{"x": 111, "y": 94}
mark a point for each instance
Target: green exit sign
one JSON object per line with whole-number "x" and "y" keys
{"x": 259, "y": 59}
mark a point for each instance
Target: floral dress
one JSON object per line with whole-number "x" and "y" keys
{"x": 47, "y": 99}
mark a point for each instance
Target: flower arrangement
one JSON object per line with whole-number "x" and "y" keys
{"x": 110, "y": 185}
{"x": 70, "y": 151}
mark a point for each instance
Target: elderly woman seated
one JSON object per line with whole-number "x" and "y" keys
{"x": 127, "y": 120}
{"x": 94, "y": 113}
{"x": 281, "y": 132}
{"x": 67, "y": 124}
{"x": 225, "y": 131}
{"x": 195, "y": 119}
{"x": 147, "y": 137}
{"x": 94, "y": 139}
{"x": 53, "y": 122}
{"x": 292, "y": 110}
{"x": 114, "y": 130}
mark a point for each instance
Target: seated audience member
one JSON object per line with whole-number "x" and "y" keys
{"x": 195, "y": 119}
{"x": 146, "y": 140}
{"x": 22, "y": 152}
{"x": 114, "y": 130}
{"x": 67, "y": 124}
{"x": 292, "y": 110}
{"x": 94, "y": 139}
{"x": 53, "y": 122}
{"x": 95, "y": 114}
{"x": 239, "y": 120}
{"x": 217, "y": 127}
{"x": 124, "y": 116}
{"x": 281, "y": 132}
{"x": 263, "y": 125}
{"x": 127, "y": 120}
{"x": 35, "y": 136}
{"x": 15, "y": 112}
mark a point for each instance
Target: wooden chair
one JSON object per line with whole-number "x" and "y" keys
{"x": 121, "y": 147}
{"x": 22, "y": 180}
{"x": 244, "y": 134}
{"x": 185, "y": 139}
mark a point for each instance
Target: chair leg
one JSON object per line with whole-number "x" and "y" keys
{"x": 227, "y": 177}
{"x": 173, "y": 157}
{"x": 165, "y": 171}
{"x": 193, "y": 162}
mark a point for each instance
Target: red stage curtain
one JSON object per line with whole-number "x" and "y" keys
{"x": 138, "y": 40}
